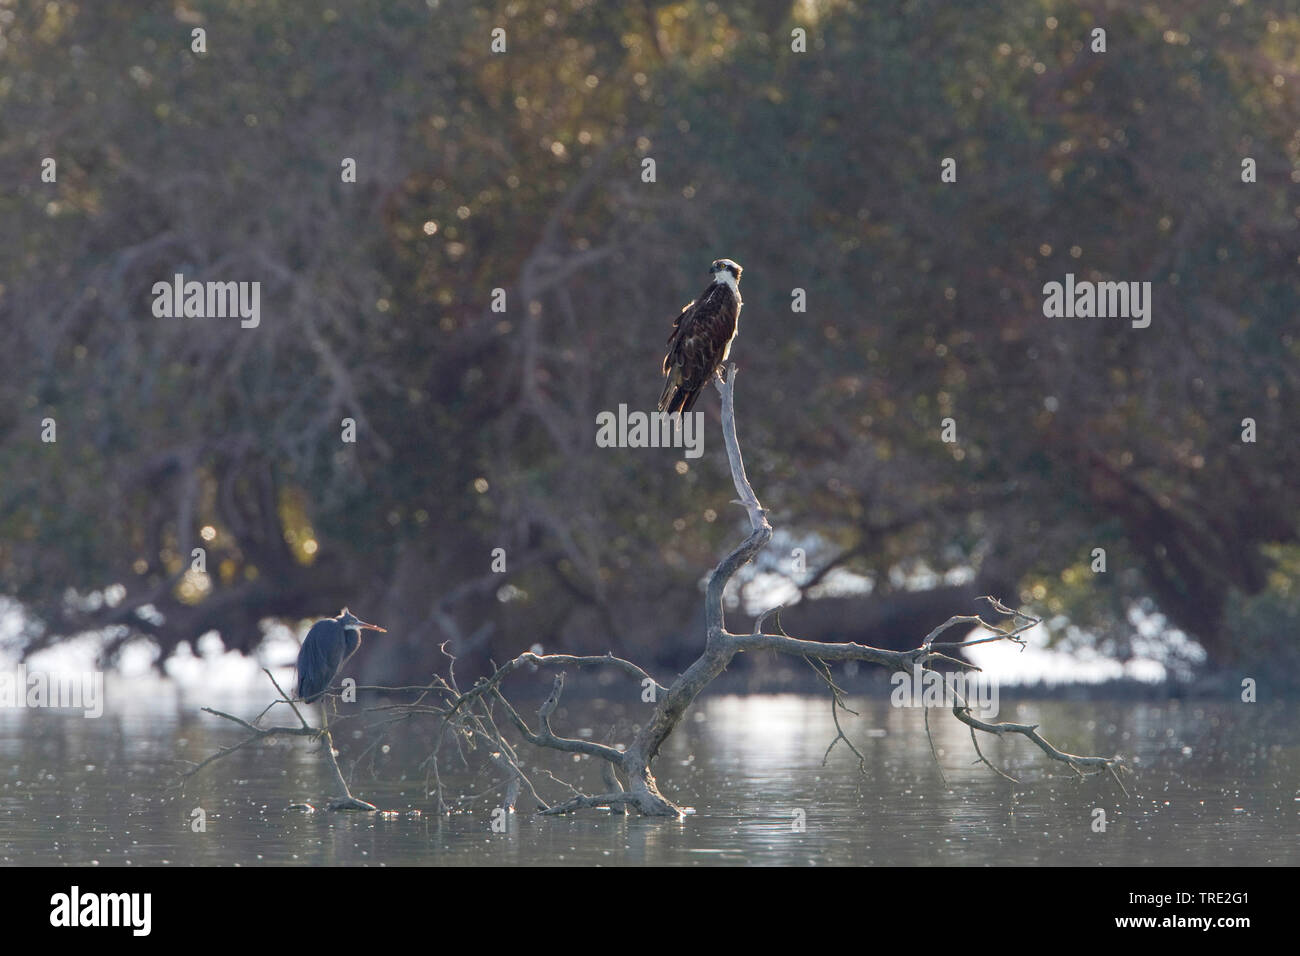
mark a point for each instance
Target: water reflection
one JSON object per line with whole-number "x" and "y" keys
{"x": 1215, "y": 783}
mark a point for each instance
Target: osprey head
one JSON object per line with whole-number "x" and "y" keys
{"x": 722, "y": 268}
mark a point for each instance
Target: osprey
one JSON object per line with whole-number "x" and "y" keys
{"x": 701, "y": 338}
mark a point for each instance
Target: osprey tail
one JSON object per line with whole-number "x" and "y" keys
{"x": 669, "y": 385}
{"x": 677, "y": 396}
{"x": 685, "y": 400}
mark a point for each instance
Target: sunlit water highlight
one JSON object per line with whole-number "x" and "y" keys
{"x": 1214, "y": 783}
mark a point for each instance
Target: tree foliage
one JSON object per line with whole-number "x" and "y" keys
{"x": 521, "y": 171}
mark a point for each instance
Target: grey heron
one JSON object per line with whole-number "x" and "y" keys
{"x": 326, "y": 649}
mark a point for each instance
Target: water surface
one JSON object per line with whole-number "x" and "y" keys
{"x": 1214, "y": 783}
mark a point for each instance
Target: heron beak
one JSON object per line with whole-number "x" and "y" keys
{"x": 371, "y": 627}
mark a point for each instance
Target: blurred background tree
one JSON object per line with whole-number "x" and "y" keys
{"x": 522, "y": 171}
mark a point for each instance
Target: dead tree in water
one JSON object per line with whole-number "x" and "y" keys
{"x": 470, "y": 717}
{"x": 343, "y": 799}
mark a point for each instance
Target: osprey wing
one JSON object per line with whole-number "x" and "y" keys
{"x": 698, "y": 345}
{"x": 683, "y": 317}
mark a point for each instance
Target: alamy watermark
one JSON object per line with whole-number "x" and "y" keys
{"x": 84, "y": 691}
{"x": 208, "y": 300}
{"x": 75, "y": 908}
{"x": 922, "y": 687}
{"x": 651, "y": 430}
{"x": 1102, "y": 300}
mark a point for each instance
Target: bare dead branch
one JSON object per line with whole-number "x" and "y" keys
{"x": 467, "y": 719}
{"x": 343, "y": 801}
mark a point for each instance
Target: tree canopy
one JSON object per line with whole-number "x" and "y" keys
{"x": 524, "y": 171}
